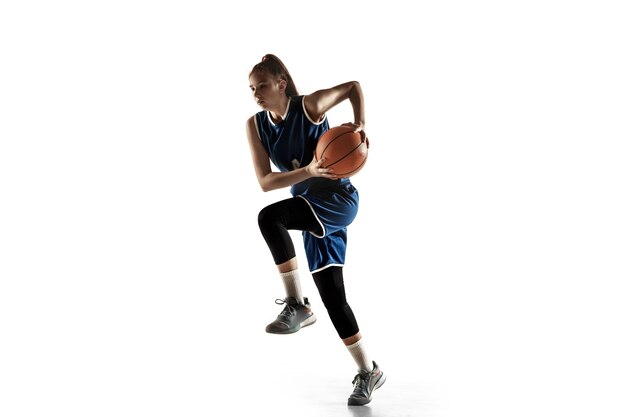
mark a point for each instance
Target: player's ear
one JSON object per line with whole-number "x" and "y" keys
{"x": 282, "y": 84}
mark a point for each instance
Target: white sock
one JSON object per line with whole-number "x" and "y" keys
{"x": 360, "y": 356}
{"x": 291, "y": 281}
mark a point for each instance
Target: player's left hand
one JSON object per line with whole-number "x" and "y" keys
{"x": 358, "y": 127}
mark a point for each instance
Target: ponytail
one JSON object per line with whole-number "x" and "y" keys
{"x": 272, "y": 65}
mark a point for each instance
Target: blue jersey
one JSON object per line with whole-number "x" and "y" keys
{"x": 290, "y": 144}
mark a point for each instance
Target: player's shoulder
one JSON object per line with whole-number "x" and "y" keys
{"x": 250, "y": 123}
{"x": 310, "y": 110}
{"x": 255, "y": 117}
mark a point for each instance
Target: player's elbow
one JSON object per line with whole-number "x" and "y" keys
{"x": 265, "y": 185}
{"x": 355, "y": 86}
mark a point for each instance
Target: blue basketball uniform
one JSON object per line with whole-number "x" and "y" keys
{"x": 290, "y": 144}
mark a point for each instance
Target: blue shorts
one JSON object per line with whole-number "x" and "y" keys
{"x": 335, "y": 208}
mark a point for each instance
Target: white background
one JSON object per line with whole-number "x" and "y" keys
{"x": 485, "y": 263}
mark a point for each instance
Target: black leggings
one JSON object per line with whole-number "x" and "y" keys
{"x": 275, "y": 221}
{"x": 329, "y": 283}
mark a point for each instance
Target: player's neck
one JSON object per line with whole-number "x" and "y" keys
{"x": 280, "y": 111}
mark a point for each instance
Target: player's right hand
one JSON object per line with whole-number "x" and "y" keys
{"x": 316, "y": 169}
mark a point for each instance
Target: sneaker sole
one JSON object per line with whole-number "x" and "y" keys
{"x": 309, "y": 321}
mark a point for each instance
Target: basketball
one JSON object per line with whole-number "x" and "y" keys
{"x": 344, "y": 150}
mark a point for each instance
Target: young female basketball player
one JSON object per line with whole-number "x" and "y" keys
{"x": 285, "y": 132}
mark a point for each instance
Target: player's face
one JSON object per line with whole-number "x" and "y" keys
{"x": 266, "y": 90}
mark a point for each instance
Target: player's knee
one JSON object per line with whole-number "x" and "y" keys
{"x": 266, "y": 218}
{"x": 333, "y": 301}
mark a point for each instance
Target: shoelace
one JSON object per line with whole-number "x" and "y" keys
{"x": 288, "y": 311}
{"x": 358, "y": 378}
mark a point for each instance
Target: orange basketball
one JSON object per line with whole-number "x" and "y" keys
{"x": 344, "y": 150}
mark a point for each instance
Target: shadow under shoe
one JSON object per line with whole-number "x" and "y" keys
{"x": 293, "y": 317}
{"x": 365, "y": 383}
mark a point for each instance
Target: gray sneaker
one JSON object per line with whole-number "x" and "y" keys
{"x": 293, "y": 317}
{"x": 364, "y": 385}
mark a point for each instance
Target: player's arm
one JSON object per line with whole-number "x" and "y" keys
{"x": 319, "y": 102}
{"x": 269, "y": 180}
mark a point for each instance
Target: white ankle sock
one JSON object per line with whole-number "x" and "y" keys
{"x": 360, "y": 356}
{"x": 291, "y": 281}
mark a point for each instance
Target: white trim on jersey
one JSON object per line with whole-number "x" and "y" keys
{"x": 309, "y": 117}
{"x": 316, "y": 218}
{"x": 269, "y": 116}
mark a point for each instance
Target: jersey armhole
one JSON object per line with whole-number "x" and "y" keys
{"x": 309, "y": 117}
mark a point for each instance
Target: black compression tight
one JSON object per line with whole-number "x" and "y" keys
{"x": 277, "y": 219}
{"x": 329, "y": 283}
